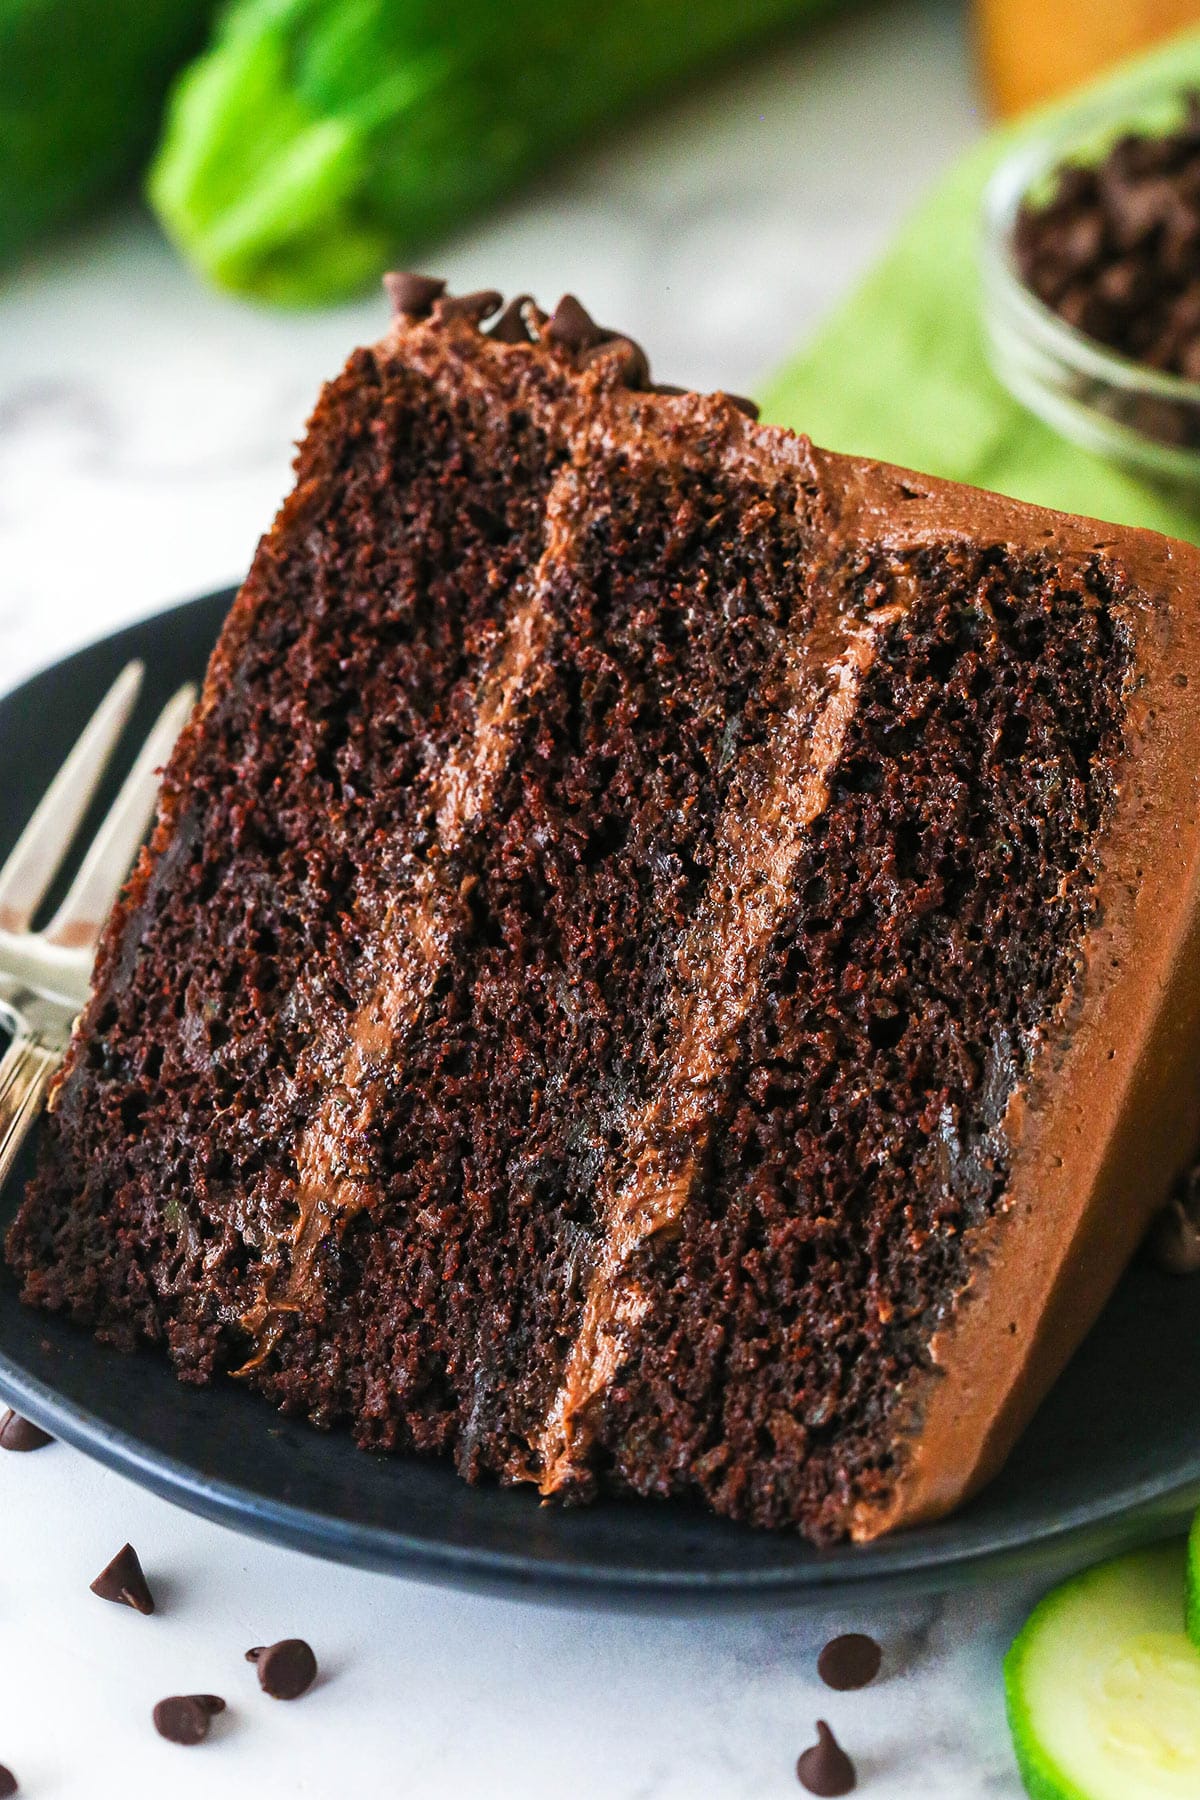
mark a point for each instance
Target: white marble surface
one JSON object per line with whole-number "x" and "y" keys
{"x": 144, "y": 442}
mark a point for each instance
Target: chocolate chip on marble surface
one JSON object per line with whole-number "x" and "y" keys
{"x": 185, "y": 1718}
{"x": 825, "y": 1769}
{"x": 21, "y": 1434}
{"x": 8, "y": 1783}
{"x": 413, "y": 294}
{"x": 849, "y": 1661}
{"x": 123, "y": 1582}
{"x": 286, "y": 1669}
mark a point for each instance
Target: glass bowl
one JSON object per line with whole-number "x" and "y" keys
{"x": 1106, "y": 403}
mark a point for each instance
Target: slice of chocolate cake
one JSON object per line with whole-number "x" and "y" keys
{"x": 668, "y": 961}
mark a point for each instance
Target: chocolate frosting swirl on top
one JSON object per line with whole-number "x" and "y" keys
{"x": 569, "y": 329}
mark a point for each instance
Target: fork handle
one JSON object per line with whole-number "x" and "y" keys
{"x": 26, "y": 1071}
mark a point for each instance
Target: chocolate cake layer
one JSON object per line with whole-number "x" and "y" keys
{"x": 665, "y": 954}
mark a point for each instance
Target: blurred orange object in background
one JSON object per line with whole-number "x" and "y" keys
{"x": 1034, "y": 49}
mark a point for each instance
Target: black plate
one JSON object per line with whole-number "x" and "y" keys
{"x": 1113, "y": 1456}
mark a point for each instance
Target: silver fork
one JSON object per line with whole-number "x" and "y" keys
{"x": 45, "y": 975}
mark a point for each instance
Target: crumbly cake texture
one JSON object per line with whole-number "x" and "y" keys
{"x": 634, "y": 926}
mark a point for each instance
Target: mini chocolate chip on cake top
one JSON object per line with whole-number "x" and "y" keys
{"x": 1115, "y": 250}
{"x": 8, "y": 1783}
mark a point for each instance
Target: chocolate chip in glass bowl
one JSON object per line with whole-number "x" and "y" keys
{"x": 1113, "y": 248}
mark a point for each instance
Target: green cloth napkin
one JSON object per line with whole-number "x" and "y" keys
{"x": 900, "y": 372}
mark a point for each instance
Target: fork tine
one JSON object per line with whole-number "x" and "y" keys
{"x": 78, "y": 920}
{"x": 23, "y": 1097}
{"x": 47, "y": 837}
{"x": 13, "y": 1063}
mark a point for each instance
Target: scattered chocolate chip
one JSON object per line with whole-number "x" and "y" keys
{"x": 666, "y": 387}
{"x": 185, "y": 1718}
{"x": 572, "y": 326}
{"x": 849, "y": 1661}
{"x": 512, "y": 327}
{"x": 749, "y": 407}
{"x": 17, "y": 1433}
{"x": 411, "y": 294}
{"x": 285, "y": 1670}
{"x": 8, "y": 1783}
{"x": 124, "y": 1583}
{"x": 476, "y": 307}
{"x": 825, "y": 1769}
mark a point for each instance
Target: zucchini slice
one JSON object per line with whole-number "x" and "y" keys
{"x": 1103, "y": 1686}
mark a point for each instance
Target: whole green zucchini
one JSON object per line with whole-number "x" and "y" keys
{"x": 317, "y": 141}
{"x": 81, "y": 92}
